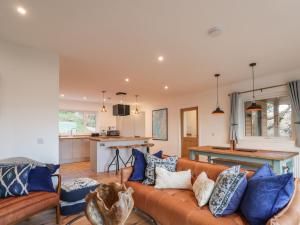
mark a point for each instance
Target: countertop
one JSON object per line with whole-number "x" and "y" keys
{"x": 263, "y": 154}
{"x": 120, "y": 138}
{"x": 103, "y": 138}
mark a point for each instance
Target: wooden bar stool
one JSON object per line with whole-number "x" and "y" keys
{"x": 148, "y": 146}
{"x": 117, "y": 158}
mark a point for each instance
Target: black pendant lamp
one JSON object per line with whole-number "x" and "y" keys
{"x": 253, "y": 107}
{"x": 103, "y": 108}
{"x": 136, "y": 111}
{"x": 218, "y": 110}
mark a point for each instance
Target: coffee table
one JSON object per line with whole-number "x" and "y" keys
{"x": 136, "y": 217}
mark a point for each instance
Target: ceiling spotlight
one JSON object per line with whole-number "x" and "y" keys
{"x": 166, "y": 87}
{"x": 84, "y": 98}
{"x": 21, "y": 10}
{"x": 160, "y": 58}
{"x": 214, "y": 31}
{"x": 62, "y": 95}
{"x": 127, "y": 79}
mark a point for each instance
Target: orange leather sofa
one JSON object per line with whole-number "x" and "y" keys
{"x": 179, "y": 207}
{"x": 15, "y": 209}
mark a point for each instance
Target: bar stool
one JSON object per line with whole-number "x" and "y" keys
{"x": 117, "y": 158}
{"x": 148, "y": 146}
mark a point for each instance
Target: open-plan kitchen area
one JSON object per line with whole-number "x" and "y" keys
{"x": 138, "y": 112}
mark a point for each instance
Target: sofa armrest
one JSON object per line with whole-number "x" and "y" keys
{"x": 126, "y": 173}
{"x": 58, "y": 186}
{"x": 290, "y": 215}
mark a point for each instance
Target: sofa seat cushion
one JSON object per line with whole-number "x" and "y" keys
{"x": 13, "y": 209}
{"x": 177, "y": 207}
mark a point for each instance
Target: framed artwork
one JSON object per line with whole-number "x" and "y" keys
{"x": 160, "y": 124}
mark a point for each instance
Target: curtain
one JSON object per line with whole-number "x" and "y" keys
{"x": 234, "y": 117}
{"x": 294, "y": 92}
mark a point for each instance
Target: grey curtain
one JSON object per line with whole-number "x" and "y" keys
{"x": 234, "y": 116}
{"x": 294, "y": 91}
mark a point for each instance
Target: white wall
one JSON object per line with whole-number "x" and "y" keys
{"x": 28, "y": 103}
{"x": 213, "y": 130}
{"x": 104, "y": 120}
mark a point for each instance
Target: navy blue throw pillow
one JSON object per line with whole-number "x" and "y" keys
{"x": 264, "y": 171}
{"x": 140, "y": 164}
{"x": 266, "y": 195}
{"x": 13, "y": 180}
{"x": 40, "y": 179}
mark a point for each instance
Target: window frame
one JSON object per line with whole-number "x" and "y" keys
{"x": 81, "y": 111}
{"x": 261, "y": 96}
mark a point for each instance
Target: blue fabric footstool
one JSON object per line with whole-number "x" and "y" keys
{"x": 73, "y": 192}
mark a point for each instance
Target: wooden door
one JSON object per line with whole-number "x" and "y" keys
{"x": 189, "y": 130}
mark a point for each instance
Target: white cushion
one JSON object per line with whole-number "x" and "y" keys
{"x": 167, "y": 179}
{"x": 203, "y": 188}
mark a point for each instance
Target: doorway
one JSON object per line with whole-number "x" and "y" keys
{"x": 189, "y": 130}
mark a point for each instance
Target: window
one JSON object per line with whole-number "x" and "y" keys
{"x": 274, "y": 120}
{"x": 80, "y": 122}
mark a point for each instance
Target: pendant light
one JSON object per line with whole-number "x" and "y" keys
{"x": 218, "y": 110}
{"x": 136, "y": 111}
{"x": 253, "y": 107}
{"x": 103, "y": 108}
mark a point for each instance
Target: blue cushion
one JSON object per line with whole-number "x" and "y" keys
{"x": 40, "y": 179}
{"x": 76, "y": 189}
{"x": 264, "y": 171}
{"x": 266, "y": 195}
{"x": 228, "y": 192}
{"x": 13, "y": 180}
{"x": 53, "y": 167}
{"x": 140, "y": 164}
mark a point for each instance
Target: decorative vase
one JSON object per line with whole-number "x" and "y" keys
{"x": 109, "y": 204}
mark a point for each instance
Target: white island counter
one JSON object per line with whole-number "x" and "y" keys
{"x": 101, "y": 154}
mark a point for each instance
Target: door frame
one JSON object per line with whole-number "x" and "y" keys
{"x": 181, "y": 124}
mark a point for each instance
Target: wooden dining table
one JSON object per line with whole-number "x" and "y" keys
{"x": 280, "y": 161}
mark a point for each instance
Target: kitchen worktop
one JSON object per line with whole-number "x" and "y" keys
{"x": 103, "y": 138}
{"x": 117, "y": 138}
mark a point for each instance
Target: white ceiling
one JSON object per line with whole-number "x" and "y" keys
{"x": 101, "y": 42}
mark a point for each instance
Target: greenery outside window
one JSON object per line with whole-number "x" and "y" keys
{"x": 274, "y": 120}
{"x": 76, "y": 122}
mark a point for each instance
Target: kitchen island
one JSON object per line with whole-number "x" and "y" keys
{"x": 102, "y": 153}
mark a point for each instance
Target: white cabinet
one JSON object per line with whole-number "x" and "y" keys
{"x": 74, "y": 150}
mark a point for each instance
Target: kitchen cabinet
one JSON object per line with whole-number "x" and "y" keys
{"x": 74, "y": 150}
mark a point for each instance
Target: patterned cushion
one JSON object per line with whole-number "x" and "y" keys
{"x": 228, "y": 192}
{"x": 203, "y": 188}
{"x": 152, "y": 161}
{"x": 13, "y": 180}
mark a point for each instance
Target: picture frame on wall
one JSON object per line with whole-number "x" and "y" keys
{"x": 160, "y": 124}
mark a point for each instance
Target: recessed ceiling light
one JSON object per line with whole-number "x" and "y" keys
{"x": 160, "y": 58}
{"x": 214, "y": 31}
{"x": 166, "y": 87}
{"x": 21, "y": 10}
{"x": 62, "y": 95}
{"x": 127, "y": 79}
{"x": 84, "y": 98}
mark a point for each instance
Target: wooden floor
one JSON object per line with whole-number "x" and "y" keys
{"x": 69, "y": 171}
